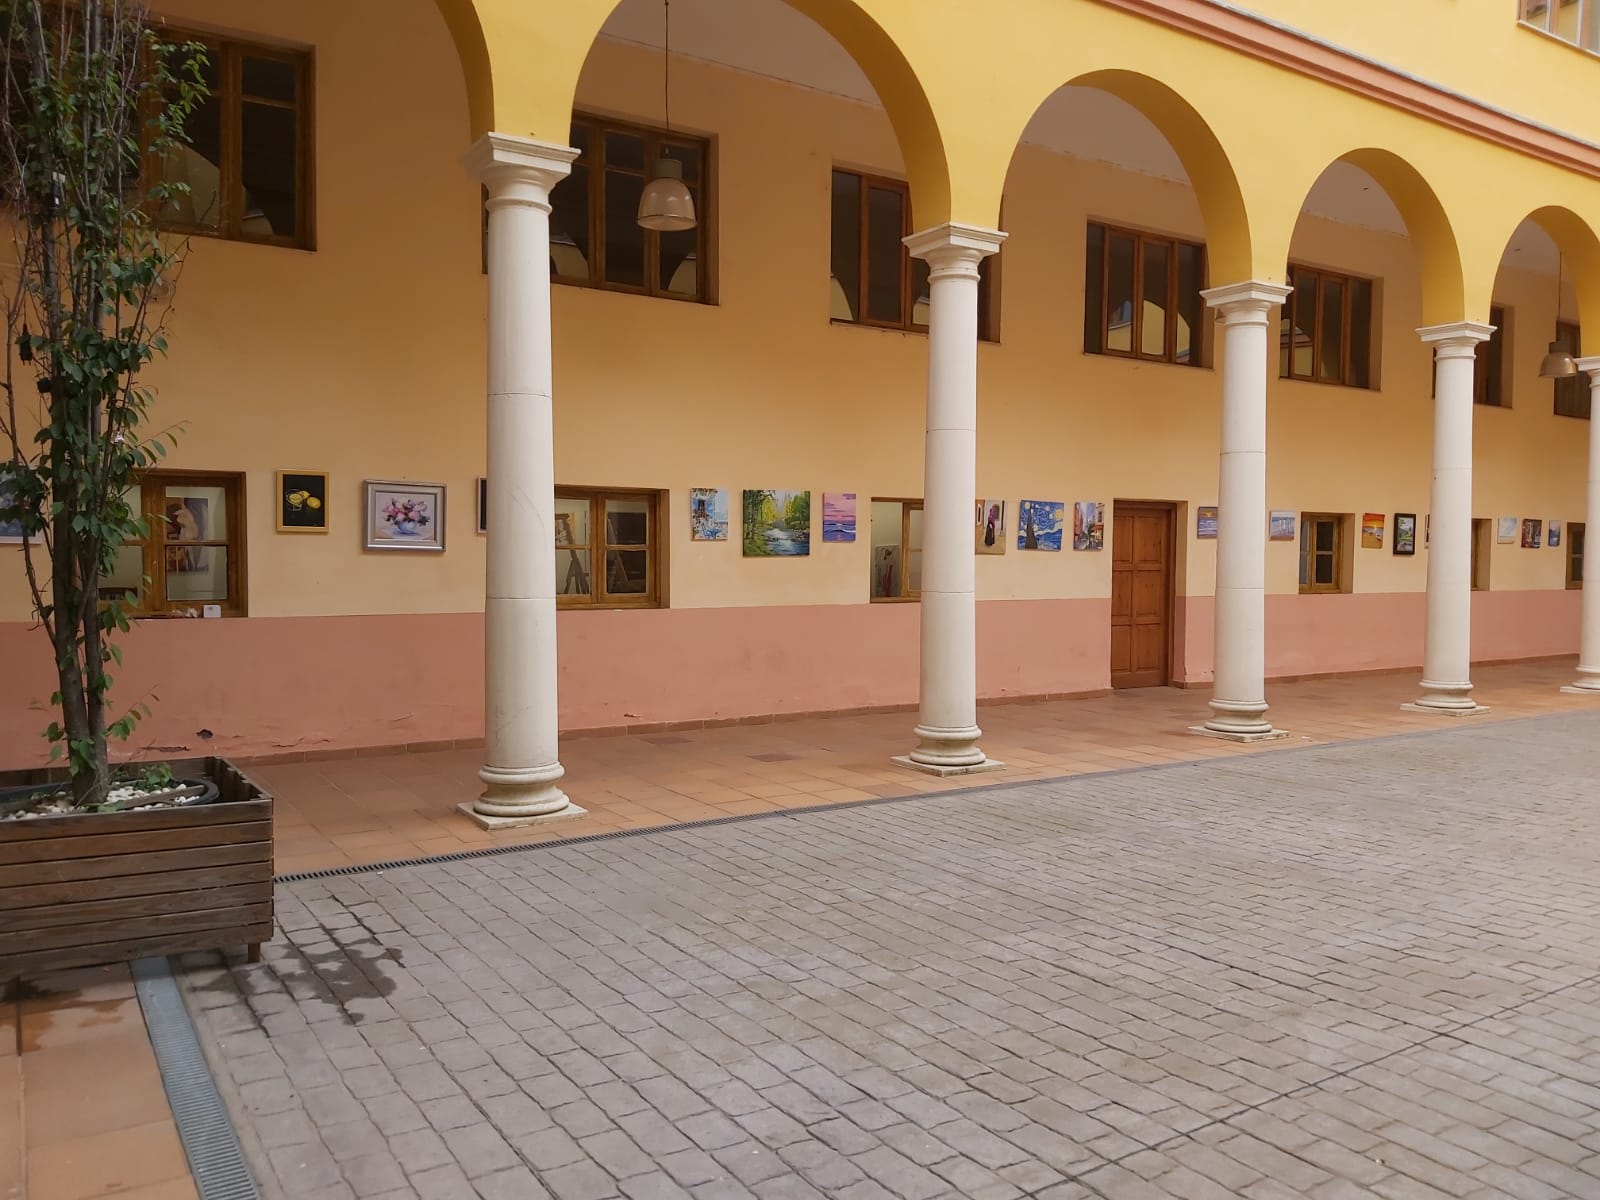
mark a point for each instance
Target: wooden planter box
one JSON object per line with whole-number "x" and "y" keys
{"x": 94, "y": 888}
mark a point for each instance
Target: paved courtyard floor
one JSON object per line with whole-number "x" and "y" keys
{"x": 1368, "y": 969}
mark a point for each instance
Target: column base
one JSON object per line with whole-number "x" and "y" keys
{"x": 1269, "y": 734}
{"x": 486, "y": 821}
{"x": 948, "y": 750}
{"x": 944, "y": 771}
{"x": 1472, "y": 709}
{"x": 515, "y": 796}
{"x": 1582, "y": 689}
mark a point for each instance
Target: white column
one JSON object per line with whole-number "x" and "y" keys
{"x": 1239, "y": 693}
{"x": 947, "y": 726}
{"x": 1589, "y": 652}
{"x": 522, "y": 767}
{"x": 1447, "y": 642}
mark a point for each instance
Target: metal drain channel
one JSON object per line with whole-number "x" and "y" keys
{"x": 209, "y": 1141}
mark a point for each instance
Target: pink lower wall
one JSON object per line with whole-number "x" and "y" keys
{"x": 271, "y": 685}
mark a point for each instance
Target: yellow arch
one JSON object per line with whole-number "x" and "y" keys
{"x": 500, "y": 40}
{"x": 1579, "y": 246}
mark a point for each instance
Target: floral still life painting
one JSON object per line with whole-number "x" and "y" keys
{"x": 404, "y": 516}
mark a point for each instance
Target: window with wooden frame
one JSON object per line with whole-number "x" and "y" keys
{"x": 1489, "y": 365}
{"x": 1325, "y": 333}
{"x": 1572, "y": 393}
{"x": 874, "y": 280}
{"x": 608, "y": 548}
{"x": 896, "y": 550}
{"x": 1575, "y": 548}
{"x": 195, "y": 553}
{"x": 1324, "y": 552}
{"x": 248, "y": 162}
{"x": 595, "y": 236}
{"x": 1482, "y": 548}
{"x": 1141, "y": 296}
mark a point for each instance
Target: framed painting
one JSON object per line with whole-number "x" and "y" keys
{"x": 1039, "y": 524}
{"x": 11, "y": 527}
{"x": 777, "y": 523}
{"x": 483, "y": 504}
{"x": 1405, "y": 533}
{"x": 404, "y": 516}
{"x": 302, "y": 502}
{"x": 1553, "y": 534}
{"x": 838, "y": 516}
{"x": 1372, "y": 527}
{"x": 1505, "y": 532}
{"x": 1088, "y": 525}
{"x": 708, "y": 514}
{"x": 1205, "y": 522}
{"x": 1280, "y": 526}
{"x": 1532, "y": 529}
{"x": 989, "y": 527}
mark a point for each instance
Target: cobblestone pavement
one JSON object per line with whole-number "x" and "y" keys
{"x": 1359, "y": 970}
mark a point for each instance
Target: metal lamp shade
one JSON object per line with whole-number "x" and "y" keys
{"x": 666, "y": 204}
{"x": 1557, "y": 364}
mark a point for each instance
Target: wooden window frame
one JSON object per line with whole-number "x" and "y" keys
{"x": 600, "y": 597}
{"x": 1489, "y": 387}
{"x": 1570, "y": 334}
{"x": 1483, "y": 540}
{"x": 1340, "y": 553}
{"x": 1169, "y": 350}
{"x": 1577, "y": 533}
{"x": 907, "y": 507}
{"x": 594, "y": 159}
{"x": 153, "y": 602}
{"x": 1290, "y": 312}
{"x": 988, "y": 266}
{"x": 228, "y": 54}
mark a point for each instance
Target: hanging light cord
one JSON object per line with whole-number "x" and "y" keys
{"x": 666, "y": 62}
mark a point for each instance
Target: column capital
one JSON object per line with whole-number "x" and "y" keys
{"x": 501, "y": 159}
{"x": 1591, "y": 365}
{"x": 1247, "y": 300}
{"x": 1458, "y": 339}
{"x": 954, "y": 246}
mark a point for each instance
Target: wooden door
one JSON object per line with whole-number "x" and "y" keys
{"x": 1141, "y": 595}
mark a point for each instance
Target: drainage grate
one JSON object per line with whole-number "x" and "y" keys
{"x": 215, "y": 1159}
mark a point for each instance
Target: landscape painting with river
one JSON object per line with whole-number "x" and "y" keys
{"x": 777, "y": 524}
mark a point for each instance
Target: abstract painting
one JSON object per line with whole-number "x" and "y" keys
{"x": 1205, "y": 522}
{"x": 708, "y": 514}
{"x": 838, "y": 516}
{"x": 1280, "y": 526}
{"x": 1088, "y": 525}
{"x": 1039, "y": 524}
{"x": 989, "y": 527}
{"x": 1532, "y": 528}
{"x": 1372, "y": 527}
{"x": 776, "y": 523}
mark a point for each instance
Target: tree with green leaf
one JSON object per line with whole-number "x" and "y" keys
{"x": 94, "y": 103}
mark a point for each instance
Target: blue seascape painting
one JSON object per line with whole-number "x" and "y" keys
{"x": 838, "y": 516}
{"x": 1039, "y": 524}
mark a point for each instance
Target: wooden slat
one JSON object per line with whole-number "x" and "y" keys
{"x": 134, "y": 907}
{"x": 36, "y": 962}
{"x": 38, "y": 850}
{"x": 109, "y": 866}
{"x": 154, "y": 883}
{"x": 129, "y": 928}
{"x": 85, "y": 824}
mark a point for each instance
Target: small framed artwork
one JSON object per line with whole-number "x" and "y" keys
{"x": 708, "y": 514}
{"x": 838, "y": 516}
{"x": 1505, "y": 531}
{"x": 302, "y": 502}
{"x": 1405, "y": 533}
{"x": 11, "y": 528}
{"x": 404, "y": 516}
{"x": 483, "y": 504}
{"x": 1088, "y": 525}
{"x": 989, "y": 527}
{"x": 1039, "y": 524}
{"x": 1205, "y": 522}
{"x": 1372, "y": 527}
{"x": 1553, "y": 536}
{"x": 1280, "y": 526}
{"x": 1532, "y": 528}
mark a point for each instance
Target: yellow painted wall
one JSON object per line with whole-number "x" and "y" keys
{"x": 365, "y": 358}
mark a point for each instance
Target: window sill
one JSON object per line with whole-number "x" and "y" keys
{"x": 1140, "y": 361}
{"x": 639, "y": 293}
{"x": 918, "y": 331}
{"x": 614, "y": 606}
{"x": 226, "y": 615}
{"x": 1558, "y": 39}
{"x": 211, "y": 235}
{"x": 895, "y": 599}
{"x": 1329, "y": 383}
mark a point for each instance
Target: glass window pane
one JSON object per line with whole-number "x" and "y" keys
{"x": 687, "y": 157}
{"x": 1324, "y": 569}
{"x": 1119, "y": 295}
{"x": 624, "y": 238}
{"x": 625, "y": 151}
{"x": 572, "y": 573}
{"x": 627, "y": 572}
{"x": 1331, "y": 368}
{"x": 127, "y": 572}
{"x": 569, "y": 226}
{"x": 922, "y": 295}
{"x": 914, "y": 529}
{"x": 198, "y": 165}
{"x": 1324, "y": 537}
{"x": 269, "y": 154}
{"x": 1190, "y": 333}
{"x": 572, "y": 520}
{"x": 1304, "y": 316}
{"x": 197, "y": 573}
{"x": 1153, "y": 332}
{"x": 679, "y": 264}
{"x": 268, "y": 79}
{"x": 845, "y": 262}
{"x": 627, "y": 522}
{"x": 1094, "y": 267}
{"x": 572, "y": 538}
{"x": 886, "y": 564}
{"x": 195, "y": 514}
{"x": 1360, "y": 333}
{"x": 914, "y": 573}
{"x": 885, "y": 254}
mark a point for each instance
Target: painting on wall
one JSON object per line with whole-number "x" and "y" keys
{"x": 188, "y": 520}
{"x": 404, "y": 516}
{"x": 776, "y": 523}
{"x": 1532, "y": 528}
{"x": 1205, "y": 522}
{"x": 302, "y": 502}
{"x": 1405, "y": 533}
{"x": 11, "y": 529}
{"x": 483, "y": 504}
{"x": 1372, "y": 527}
{"x": 708, "y": 514}
{"x": 1505, "y": 530}
{"x": 1553, "y": 539}
{"x": 989, "y": 527}
{"x": 838, "y": 516}
{"x": 1280, "y": 526}
{"x": 1039, "y": 524}
{"x": 1088, "y": 525}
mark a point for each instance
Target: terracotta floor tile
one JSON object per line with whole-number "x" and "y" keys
{"x": 108, "y": 1164}
{"x": 49, "y": 1027}
{"x": 91, "y": 1086}
{"x": 85, "y": 983}
{"x": 11, "y": 1148}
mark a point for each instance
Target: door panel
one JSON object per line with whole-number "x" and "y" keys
{"x": 1141, "y": 595}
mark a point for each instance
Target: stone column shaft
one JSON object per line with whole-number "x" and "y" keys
{"x": 1588, "y": 683}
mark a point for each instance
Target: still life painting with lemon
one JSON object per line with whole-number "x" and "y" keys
{"x": 303, "y": 501}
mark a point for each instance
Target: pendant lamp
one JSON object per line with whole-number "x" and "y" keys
{"x": 666, "y": 204}
{"x": 1558, "y": 363}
